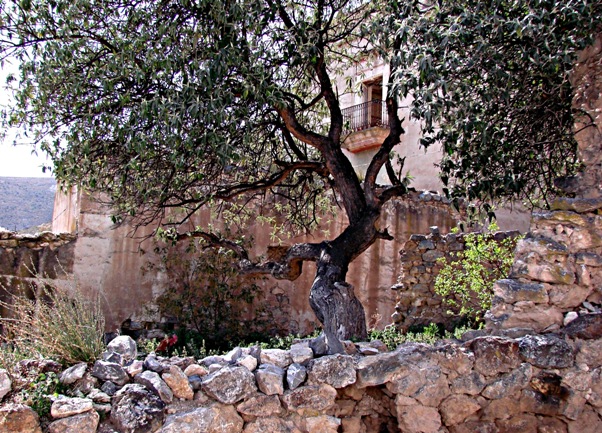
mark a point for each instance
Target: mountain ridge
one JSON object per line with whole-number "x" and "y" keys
{"x": 26, "y": 202}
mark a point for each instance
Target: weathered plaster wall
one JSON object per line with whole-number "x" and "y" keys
{"x": 112, "y": 261}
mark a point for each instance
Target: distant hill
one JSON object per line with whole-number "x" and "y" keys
{"x": 26, "y": 202}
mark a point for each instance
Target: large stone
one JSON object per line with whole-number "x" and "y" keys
{"x": 502, "y": 408}
{"x": 470, "y": 384}
{"x": 153, "y": 381}
{"x": 213, "y": 419}
{"x": 247, "y": 361}
{"x": 494, "y": 355}
{"x": 5, "y": 383}
{"x": 512, "y": 291}
{"x": 230, "y": 385}
{"x": 86, "y": 422}
{"x": 435, "y": 390}
{"x": 295, "y": 375}
{"x": 578, "y": 204}
{"x": 301, "y": 353}
{"x": 568, "y": 296}
{"x": 110, "y": 371}
{"x": 546, "y": 351}
{"x": 588, "y": 422}
{"x": 414, "y": 418}
{"x": 18, "y": 418}
{"x": 454, "y": 360}
{"x": 69, "y": 406}
{"x": 135, "y": 409}
{"x": 97, "y": 396}
{"x": 456, "y": 408}
{"x": 540, "y": 404}
{"x": 589, "y": 352}
{"x": 278, "y": 357}
{"x": 270, "y": 379}
{"x": 152, "y": 363}
{"x": 380, "y": 369}
{"x": 195, "y": 370}
{"x": 518, "y": 423}
{"x": 125, "y": 346}
{"x": 135, "y": 367}
{"x": 586, "y": 327}
{"x": 181, "y": 361}
{"x": 554, "y": 273}
{"x": 322, "y": 424}
{"x": 73, "y": 373}
{"x": 509, "y": 383}
{"x": 178, "y": 383}
{"x": 408, "y": 380}
{"x": 475, "y": 427}
{"x": 271, "y": 425}
{"x": 524, "y": 314}
{"x": 335, "y": 370}
{"x": 260, "y": 405}
{"x": 310, "y": 399}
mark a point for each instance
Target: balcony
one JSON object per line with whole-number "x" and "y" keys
{"x": 367, "y": 125}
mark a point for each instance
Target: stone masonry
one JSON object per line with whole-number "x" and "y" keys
{"x": 418, "y": 304}
{"x": 557, "y": 274}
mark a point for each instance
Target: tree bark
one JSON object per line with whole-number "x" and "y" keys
{"x": 334, "y": 302}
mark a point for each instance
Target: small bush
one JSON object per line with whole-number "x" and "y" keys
{"x": 466, "y": 281}
{"x": 37, "y": 394}
{"x": 59, "y": 323}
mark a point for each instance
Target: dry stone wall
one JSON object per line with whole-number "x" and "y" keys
{"x": 557, "y": 274}
{"x": 512, "y": 383}
{"x": 23, "y": 257}
{"x": 418, "y": 304}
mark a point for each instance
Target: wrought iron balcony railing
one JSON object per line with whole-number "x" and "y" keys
{"x": 367, "y": 115}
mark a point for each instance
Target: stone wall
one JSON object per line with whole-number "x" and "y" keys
{"x": 557, "y": 275}
{"x": 23, "y": 257}
{"x": 498, "y": 384}
{"x": 418, "y": 304}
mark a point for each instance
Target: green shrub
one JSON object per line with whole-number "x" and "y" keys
{"x": 37, "y": 394}
{"x": 466, "y": 281}
{"x": 59, "y": 323}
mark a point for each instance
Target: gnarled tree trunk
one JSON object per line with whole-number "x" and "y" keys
{"x": 334, "y": 302}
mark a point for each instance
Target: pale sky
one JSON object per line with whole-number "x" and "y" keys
{"x": 17, "y": 161}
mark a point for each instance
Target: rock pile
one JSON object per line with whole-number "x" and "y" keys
{"x": 488, "y": 383}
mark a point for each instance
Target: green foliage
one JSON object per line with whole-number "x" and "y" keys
{"x": 490, "y": 81}
{"x": 207, "y": 295}
{"x": 285, "y": 342}
{"x": 58, "y": 323}
{"x": 37, "y": 394}
{"x": 428, "y": 334}
{"x": 466, "y": 279}
{"x": 187, "y": 91}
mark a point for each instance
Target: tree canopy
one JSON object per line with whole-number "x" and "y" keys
{"x": 491, "y": 84}
{"x": 192, "y": 103}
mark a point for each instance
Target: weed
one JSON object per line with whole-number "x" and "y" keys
{"x": 37, "y": 394}
{"x": 466, "y": 281}
{"x": 59, "y": 323}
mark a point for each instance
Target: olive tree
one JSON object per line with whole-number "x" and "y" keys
{"x": 491, "y": 84}
{"x": 168, "y": 107}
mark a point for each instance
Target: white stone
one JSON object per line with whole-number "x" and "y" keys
{"x": 5, "y": 383}
{"x": 64, "y": 407}
{"x": 569, "y": 317}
